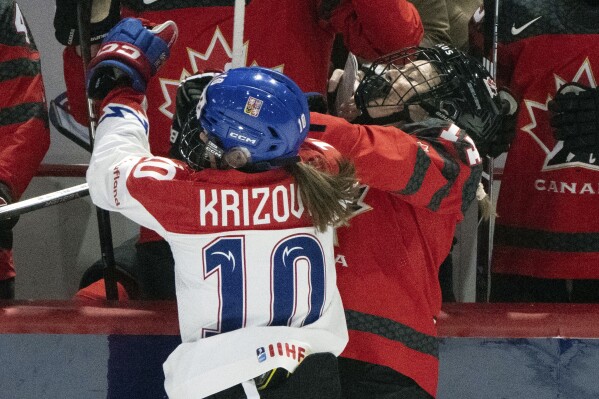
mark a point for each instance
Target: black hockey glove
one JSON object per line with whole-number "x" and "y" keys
{"x": 6, "y": 224}
{"x": 188, "y": 94}
{"x": 574, "y": 116}
{"x": 501, "y": 142}
{"x": 317, "y": 103}
{"x": 105, "y": 14}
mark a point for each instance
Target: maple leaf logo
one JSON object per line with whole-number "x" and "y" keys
{"x": 216, "y": 56}
{"x": 556, "y": 157}
{"x": 358, "y": 206}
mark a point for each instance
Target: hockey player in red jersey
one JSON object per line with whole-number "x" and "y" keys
{"x": 419, "y": 170}
{"x": 546, "y": 243}
{"x": 293, "y": 37}
{"x": 249, "y": 217}
{"x": 24, "y": 134}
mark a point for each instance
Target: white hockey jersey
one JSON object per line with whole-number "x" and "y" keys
{"x": 256, "y": 283}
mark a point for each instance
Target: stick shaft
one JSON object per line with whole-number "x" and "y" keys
{"x": 238, "y": 58}
{"x": 43, "y": 201}
{"x": 84, "y": 8}
{"x": 84, "y": 13}
{"x": 485, "y": 227}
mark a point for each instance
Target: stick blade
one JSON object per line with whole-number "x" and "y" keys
{"x": 65, "y": 123}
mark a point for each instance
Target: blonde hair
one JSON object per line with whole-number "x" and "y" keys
{"x": 486, "y": 207}
{"x": 326, "y": 196}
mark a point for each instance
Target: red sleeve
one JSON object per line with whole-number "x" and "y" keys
{"x": 125, "y": 95}
{"x": 321, "y": 155}
{"x": 75, "y": 83}
{"x": 24, "y": 132}
{"x": 372, "y": 28}
{"x": 433, "y": 172}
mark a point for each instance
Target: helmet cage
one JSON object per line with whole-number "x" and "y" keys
{"x": 198, "y": 153}
{"x": 462, "y": 91}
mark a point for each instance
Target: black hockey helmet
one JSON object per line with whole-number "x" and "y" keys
{"x": 461, "y": 90}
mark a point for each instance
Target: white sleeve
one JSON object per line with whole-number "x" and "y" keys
{"x": 121, "y": 142}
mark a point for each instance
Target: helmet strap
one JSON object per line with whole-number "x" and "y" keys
{"x": 435, "y": 112}
{"x": 213, "y": 150}
{"x": 366, "y": 119}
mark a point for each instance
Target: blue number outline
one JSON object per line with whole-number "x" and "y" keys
{"x": 225, "y": 258}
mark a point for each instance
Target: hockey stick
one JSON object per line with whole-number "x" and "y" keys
{"x": 65, "y": 124}
{"x": 43, "y": 201}
{"x": 84, "y": 9}
{"x": 84, "y": 12}
{"x": 238, "y": 57}
{"x": 346, "y": 88}
{"x": 484, "y": 245}
{"x": 61, "y": 170}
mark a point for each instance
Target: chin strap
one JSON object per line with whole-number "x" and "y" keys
{"x": 365, "y": 119}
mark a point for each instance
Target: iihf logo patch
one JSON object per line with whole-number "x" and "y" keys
{"x": 261, "y": 354}
{"x": 281, "y": 349}
{"x": 253, "y": 106}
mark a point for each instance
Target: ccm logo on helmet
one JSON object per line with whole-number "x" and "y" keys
{"x": 242, "y": 138}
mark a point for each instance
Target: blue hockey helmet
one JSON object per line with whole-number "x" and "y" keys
{"x": 254, "y": 118}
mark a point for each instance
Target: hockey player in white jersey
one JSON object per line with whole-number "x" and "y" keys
{"x": 248, "y": 217}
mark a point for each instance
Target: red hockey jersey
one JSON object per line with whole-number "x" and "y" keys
{"x": 24, "y": 134}
{"x": 548, "y": 224}
{"x": 294, "y": 37}
{"x": 414, "y": 190}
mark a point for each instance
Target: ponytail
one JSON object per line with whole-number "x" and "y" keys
{"x": 326, "y": 196}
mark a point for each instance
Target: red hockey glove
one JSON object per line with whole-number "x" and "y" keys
{"x": 130, "y": 54}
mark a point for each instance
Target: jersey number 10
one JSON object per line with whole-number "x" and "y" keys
{"x": 226, "y": 257}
